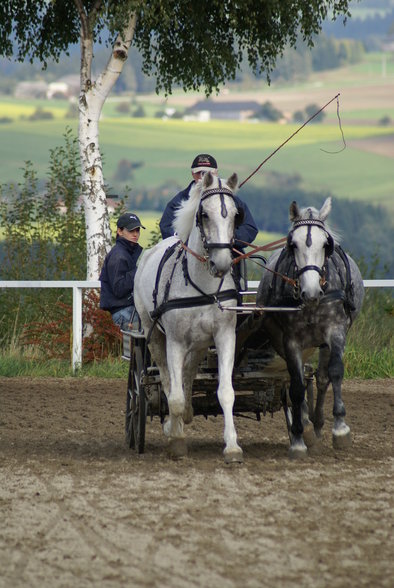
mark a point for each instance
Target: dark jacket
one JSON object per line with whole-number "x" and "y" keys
{"x": 117, "y": 275}
{"x": 247, "y": 231}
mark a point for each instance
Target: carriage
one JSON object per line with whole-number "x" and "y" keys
{"x": 260, "y": 377}
{"x": 191, "y": 345}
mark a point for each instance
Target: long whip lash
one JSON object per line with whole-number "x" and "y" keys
{"x": 297, "y": 131}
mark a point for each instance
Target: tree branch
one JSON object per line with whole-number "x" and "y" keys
{"x": 83, "y": 18}
{"x": 120, "y": 51}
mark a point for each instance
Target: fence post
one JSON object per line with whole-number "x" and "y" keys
{"x": 77, "y": 328}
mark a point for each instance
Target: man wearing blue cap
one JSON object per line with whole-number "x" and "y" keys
{"x": 118, "y": 271}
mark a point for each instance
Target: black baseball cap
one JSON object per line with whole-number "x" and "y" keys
{"x": 204, "y": 162}
{"x": 129, "y": 221}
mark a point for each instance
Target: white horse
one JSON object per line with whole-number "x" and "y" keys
{"x": 180, "y": 286}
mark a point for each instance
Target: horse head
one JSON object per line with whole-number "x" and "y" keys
{"x": 311, "y": 244}
{"x": 207, "y": 221}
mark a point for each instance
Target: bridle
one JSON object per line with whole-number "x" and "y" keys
{"x": 329, "y": 247}
{"x": 221, "y": 191}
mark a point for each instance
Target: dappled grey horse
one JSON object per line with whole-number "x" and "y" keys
{"x": 180, "y": 288}
{"x": 327, "y": 287}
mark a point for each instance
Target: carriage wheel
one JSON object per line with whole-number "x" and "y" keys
{"x": 136, "y": 402}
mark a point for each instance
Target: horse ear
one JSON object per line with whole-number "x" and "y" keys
{"x": 207, "y": 180}
{"x": 325, "y": 209}
{"x": 294, "y": 211}
{"x": 232, "y": 182}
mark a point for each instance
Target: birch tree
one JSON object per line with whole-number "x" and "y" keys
{"x": 182, "y": 42}
{"x": 91, "y": 101}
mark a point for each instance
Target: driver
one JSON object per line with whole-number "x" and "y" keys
{"x": 246, "y": 232}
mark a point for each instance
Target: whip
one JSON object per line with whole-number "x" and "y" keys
{"x": 297, "y": 131}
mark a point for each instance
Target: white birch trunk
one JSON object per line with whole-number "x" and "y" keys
{"x": 91, "y": 102}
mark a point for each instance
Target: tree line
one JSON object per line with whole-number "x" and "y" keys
{"x": 366, "y": 230}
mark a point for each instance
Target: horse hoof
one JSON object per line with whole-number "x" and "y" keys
{"x": 188, "y": 416}
{"x": 233, "y": 456}
{"x": 177, "y": 448}
{"x": 343, "y": 441}
{"x": 318, "y": 432}
{"x": 298, "y": 450}
{"x": 309, "y": 435}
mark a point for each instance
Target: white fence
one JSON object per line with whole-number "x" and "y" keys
{"x": 79, "y": 286}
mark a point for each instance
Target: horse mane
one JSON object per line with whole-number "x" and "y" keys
{"x": 310, "y": 212}
{"x": 186, "y": 213}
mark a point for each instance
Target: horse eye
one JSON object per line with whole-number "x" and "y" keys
{"x": 204, "y": 215}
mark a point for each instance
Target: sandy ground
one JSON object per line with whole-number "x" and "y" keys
{"x": 77, "y": 508}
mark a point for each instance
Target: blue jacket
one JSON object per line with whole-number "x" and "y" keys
{"x": 245, "y": 232}
{"x": 117, "y": 275}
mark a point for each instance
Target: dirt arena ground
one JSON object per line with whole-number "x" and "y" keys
{"x": 77, "y": 508}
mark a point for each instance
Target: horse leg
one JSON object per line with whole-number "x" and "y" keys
{"x": 298, "y": 448}
{"x": 341, "y": 437}
{"x": 157, "y": 347}
{"x": 308, "y": 433}
{"x": 173, "y": 427}
{"x": 190, "y": 370}
{"x": 322, "y": 383}
{"x": 225, "y": 346}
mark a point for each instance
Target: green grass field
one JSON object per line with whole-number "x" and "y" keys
{"x": 360, "y": 172}
{"x": 167, "y": 147}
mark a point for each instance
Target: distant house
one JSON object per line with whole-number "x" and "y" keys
{"x": 65, "y": 87}
{"x": 31, "y": 90}
{"x": 222, "y": 110}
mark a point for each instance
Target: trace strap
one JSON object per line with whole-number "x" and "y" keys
{"x": 268, "y": 247}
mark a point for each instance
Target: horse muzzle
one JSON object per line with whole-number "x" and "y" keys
{"x": 311, "y": 298}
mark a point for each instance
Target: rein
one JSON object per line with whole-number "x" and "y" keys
{"x": 202, "y": 258}
{"x": 268, "y": 247}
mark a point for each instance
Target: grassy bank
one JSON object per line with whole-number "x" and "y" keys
{"x": 359, "y": 363}
{"x": 369, "y": 352}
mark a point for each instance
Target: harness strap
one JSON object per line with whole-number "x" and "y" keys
{"x": 349, "y": 290}
{"x": 308, "y": 268}
{"x": 277, "y": 295}
{"x": 167, "y": 254}
{"x": 193, "y": 301}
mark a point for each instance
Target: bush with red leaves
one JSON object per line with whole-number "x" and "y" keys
{"x": 52, "y": 335}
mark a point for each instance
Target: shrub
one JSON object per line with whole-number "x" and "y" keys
{"x": 44, "y": 236}
{"x": 299, "y": 116}
{"x": 40, "y": 114}
{"x": 52, "y": 335}
{"x": 268, "y": 112}
{"x": 139, "y": 112}
{"x": 311, "y": 109}
{"x": 125, "y": 169}
{"x": 123, "y": 107}
{"x": 385, "y": 121}
{"x": 72, "y": 111}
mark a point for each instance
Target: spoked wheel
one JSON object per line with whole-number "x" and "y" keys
{"x": 136, "y": 402}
